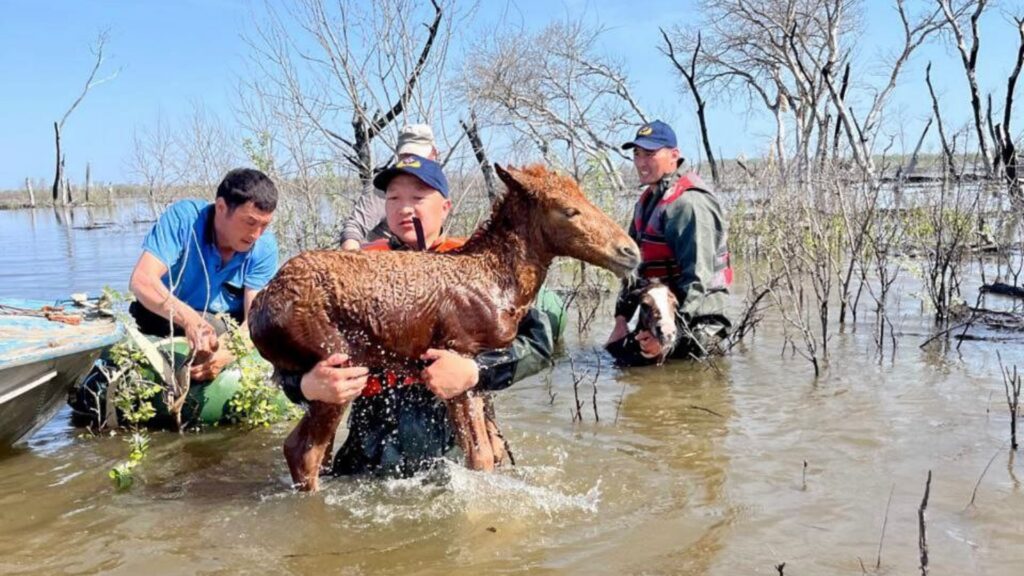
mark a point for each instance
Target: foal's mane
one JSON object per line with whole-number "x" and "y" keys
{"x": 511, "y": 207}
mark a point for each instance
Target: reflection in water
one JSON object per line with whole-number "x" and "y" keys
{"x": 45, "y": 256}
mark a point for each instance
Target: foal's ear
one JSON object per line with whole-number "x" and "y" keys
{"x": 508, "y": 176}
{"x": 521, "y": 181}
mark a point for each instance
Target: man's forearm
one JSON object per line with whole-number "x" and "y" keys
{"x": 159, "y": 300}
{"x": 367, "y": 212}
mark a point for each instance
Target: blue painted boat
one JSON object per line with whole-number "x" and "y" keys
{"x": 43, "y": 354}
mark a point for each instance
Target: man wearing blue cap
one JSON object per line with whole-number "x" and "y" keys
{"x": 681, "y": 231}
{"x": 400, "y": 427}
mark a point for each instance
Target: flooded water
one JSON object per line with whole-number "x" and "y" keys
{"x": 679, "y": 470}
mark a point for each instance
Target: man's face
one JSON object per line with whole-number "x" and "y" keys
{"x": 653, "y": 165}
{"x": 408, "y": 196}
{"x": 239, "y": 229}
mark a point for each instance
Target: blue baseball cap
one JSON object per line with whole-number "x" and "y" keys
{"x": 428, "y": 171}
{"x": 653, "y": 136}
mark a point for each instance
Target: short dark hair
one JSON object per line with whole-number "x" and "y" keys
{"x": 243, "y": 185}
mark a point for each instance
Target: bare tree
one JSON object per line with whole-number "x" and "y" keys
{"x": 778, "y": 51}
{"x": 204, "y": 151}
{"x": 552, "y": 89}
{"x": 861, "y": 134}
{"x": 351, "y": 62}
{"x": 969, "y": 58}
{"x": 152, "y": 159}
{"x": 1002, "y": 135}
{"x": 947, "y": 149}
{"x": 694, "y": 81}
{"x": 59, "y": 189}
{"x": 473, "y": 133}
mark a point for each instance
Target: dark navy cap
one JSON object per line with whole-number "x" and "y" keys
{"x": 428, "y": 171}
{"x": 653, "y": 136}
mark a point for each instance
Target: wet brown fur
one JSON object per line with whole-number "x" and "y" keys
{"x": 385, "y": 309}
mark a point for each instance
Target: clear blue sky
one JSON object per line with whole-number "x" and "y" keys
{"x": 174, "y": 54}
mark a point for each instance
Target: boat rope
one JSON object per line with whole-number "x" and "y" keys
{"x": 51, "y": 313}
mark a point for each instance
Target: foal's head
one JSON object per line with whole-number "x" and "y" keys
{"x": 567, "y": 223}
{"x": 658, "y": 313}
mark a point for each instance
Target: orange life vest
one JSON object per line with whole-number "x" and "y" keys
{"x": 658, "y": 259}
{"x": 376, "y": 382}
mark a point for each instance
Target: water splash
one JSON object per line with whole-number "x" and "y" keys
{"x": 450, "y": 490}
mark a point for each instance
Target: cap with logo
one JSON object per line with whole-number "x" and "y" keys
{"x": 428, "y": 172}
{"x": 653, "y": 136}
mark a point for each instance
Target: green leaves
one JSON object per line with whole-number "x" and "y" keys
{"x": 255, "y": 404}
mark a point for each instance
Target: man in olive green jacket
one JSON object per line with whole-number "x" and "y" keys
{"x": 681, "y": 231}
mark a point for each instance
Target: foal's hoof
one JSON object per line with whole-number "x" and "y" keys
{"x": 303, "y": 464}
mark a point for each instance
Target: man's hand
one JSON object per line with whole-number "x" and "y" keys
{"x": 202, "y": 339}
{"x": 350, "y": 245}
{"x": 333, "y": 381}
{"x": 649, "y": 345}
{"x": 212, "y": 366}
{"x": 620, "y": 330}
{"x": 449, "y": 374}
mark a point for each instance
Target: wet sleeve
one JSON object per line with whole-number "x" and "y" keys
{"x": 291, "y": 385}
{"x": 366, "y": 214}
{"x": 627, "y": 302}
{"x": 690, "y": 230}
{"x": 166, "y": 240}
{"x": 529, "y": 353}
{"x": 626, "y": 352}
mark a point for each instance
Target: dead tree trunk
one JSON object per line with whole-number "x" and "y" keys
{"x": 361, "y": 144}
{"x": 88, "y": 181}
{"x": 59, "y": 180}
{"x": 31, "y": 193}
{"x": 690, "y": 74}
{"x": 58, "y": 177}
{"x": 969, "y": 58}
{"x": 1007, "y": 151}
{"x": 844, "y": 85}
{"x": 947, "y": 151}
{"x": 473, "y": 133}
{"x": 364, "y": 127}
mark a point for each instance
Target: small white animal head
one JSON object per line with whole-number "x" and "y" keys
{"x": 658, "y": 313}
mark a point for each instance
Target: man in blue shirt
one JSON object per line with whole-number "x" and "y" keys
{"x": 202, "y": 260}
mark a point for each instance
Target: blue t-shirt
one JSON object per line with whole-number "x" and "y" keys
{"x": 184, "y": 240}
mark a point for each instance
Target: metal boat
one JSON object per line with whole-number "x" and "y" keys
{"x": 45, "y": 349}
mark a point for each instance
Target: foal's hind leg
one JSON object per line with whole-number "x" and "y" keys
{"x": 307, "y": 445}
{"x": 467, "y": 414}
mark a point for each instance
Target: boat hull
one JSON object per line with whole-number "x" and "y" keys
{"x": 43, "y": 355}
{"x": 32, "y": 394}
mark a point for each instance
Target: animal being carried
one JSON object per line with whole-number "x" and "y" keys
{"x": 656, "y": 325}
{"x": 385, "y": 309}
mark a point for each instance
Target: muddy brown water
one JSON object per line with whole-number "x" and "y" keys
{"x": 685, "y": 469}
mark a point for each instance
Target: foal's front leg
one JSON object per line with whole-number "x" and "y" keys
{"x": 307, "y": 445}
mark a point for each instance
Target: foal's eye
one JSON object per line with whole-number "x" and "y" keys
{"x": 571, "y": 212}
